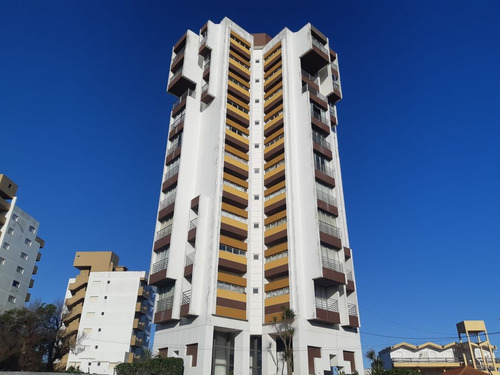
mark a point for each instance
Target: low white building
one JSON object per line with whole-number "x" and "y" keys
{"x": 19, "y": 248}
{"x": 109, "y": 312}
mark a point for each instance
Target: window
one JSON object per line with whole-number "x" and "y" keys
{"x": 2, "y": 261}
{"x": 255, "y": 225}
{"x": 90, "y": 315}
{"x": 109, "y": 282}
{"x": 16, "y": 284}
{"x": 256, "y": 145}
{"x": 256, "y": 100}
{"x": 257, "y": 80}
{"x": 257, "y": 61}
{"x": 102, "y": 313}
{"x": 90, "y": 363}
{"x": 255, "y": 290}
{"x": 98, "y": 330}
{"x": 93, "y": 299}
{"x": 256, "y": 256}
{"x": 24, "y": 256}
{"x": 28, "y": 242}
{"x": 6, "y": 246}
{"x": 257, "y": 122}
{"x": 12, "y": 299}
{"x": 15, "y": 217}
{"x": 98, "y": 363}
{"x": 10, "y": 231}
{"x": 256, "y": 197}
{"x": 105, "y": 297}
{"x": 32, "y": 229}
{"x": 20, "y": 270}
{"x": 256, "y": 170}
{"x": 96, "y": 347}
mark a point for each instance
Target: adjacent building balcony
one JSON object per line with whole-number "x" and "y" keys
{"x": 333, "y": 115}
{"x": 275, "y": 204}
{"x": 274, "y": 174}
{"x": 234, "y": 194}
{"x": 136, "y": 341}
{"x": 174, "y": 151}
{"x": 239, "y": 68}
{"x": 274, "y": 147}
{"x": 238, "y": 89}
{"x": 329, "y": 235}
{"x": 336, "y": 93}
{"x": 144, "y": 293}
{"x": 141, "y": 308}
{"x": 235, "y": 166}
{"x": 352, "y": 311}
{"x": 320, "y": 122}
{"x": 327, "y": 310}
{"x": 237, "y": 138}
{"x": 233, "y": 226}
{"x": 231, "y": 301}
{"x": 139, "y": 325}
{"x": 164, "y": 310}
{"x": 206, "y": 96}
{"x": 272, "y": 58}
{"x": 78, "y": 297}
{"x": 74, "y": 313}
{"x": 239, "y": 47}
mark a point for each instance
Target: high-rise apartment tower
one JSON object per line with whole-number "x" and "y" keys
{"x": 19, "y": 248}
{"x": 251, "y": 215}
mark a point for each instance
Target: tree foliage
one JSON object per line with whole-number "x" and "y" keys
{"x": 377, "y": 366}
{"x": 154, "y": 366}
{"x": 285, "y": 330}
{"x": 33, "y": 338}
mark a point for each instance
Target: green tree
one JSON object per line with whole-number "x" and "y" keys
{"x": 285, "y": 330}
{"x": 377, "y": 367}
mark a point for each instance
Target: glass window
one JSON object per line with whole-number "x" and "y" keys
{"x": 24, "y": 256}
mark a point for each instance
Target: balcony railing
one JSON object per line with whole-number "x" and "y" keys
{"x": 324, "y": 169}
{"x": 275, "y": 223}
{"x": 238, "y": 83}
{"x": 313, "y": 91}
{"x": 186, "y": 297}
{"x": 234, "y": 186}
{"x": 239, "y": 42}
{"x": 328, "y": 304}
{"x": 352, "y": 309}
{"x": 274, "y": 140}
{"x": 165, "y": 303}
{"x": 160, "y": 265}
{"x": 274, "y": 166}
{"x": 235, "y": 157}
{"x": 309, "y": 76}
{"x": 164, "y": 232}
{"x": 234, "y": 130}
{"x": 190, "y": 259}
{"x": 189, "y": 92}
{"x": 317, "y": 138}
{"x": 233, "y": 216}
{"x": 332, "y": 264}
{"x": 193, "y": 224}
{"x": 239, "y": 62}
{"x": 230, "y": 287}
{"x": 275, "y": 194}
{"x": 349, "y": 275}
{"x": 325, "y": 197}
{"x": 233, "y": 250}
{"x": 174, "y": 146}
{"x": 204, "y": 88}
{"x": 329, "y": 229}
{"x": 336, "y": 86}
{"x": 172, "y": 172}
{"x": 177, "y": 121}
{"x": 320, "y": 116}
{"x": 425, "y": 360}
{"x": 320, "y": 45}
{"x": 273, "y": 117}
{"x": 237, "y": 106}
{"x": 168, "y": 200}
{"x": 332, "y": 112}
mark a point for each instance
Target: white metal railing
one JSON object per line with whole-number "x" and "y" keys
{"x": 319, "y": 139}
{"x": 313, "y": 91}
{"x": 193, "y": 223}
{"x": 332, "y": 264}
{"x": 426, "y": 360}
{"x": 274, "y": 166}
{"x": 238, "y": 83}
{"x": 273, "y": 117}
{"x": 189, "y": 92}
{"x": 275, "y": 194}
{"x": 165, "y": 304}
{"x": 164, "y": 232}
{"x": 276, "y": 223}
{"x": 160, "y": 265}
{"x": 190, "y": 258}
{"x": 237, "y": 131}
{"x": 178, "y": 120}
{"x": 204, "y": 88}
{"x": 233, "y": 250}
{"x": 320, "y": 45}
{"x": 329, "y": 229}
{"x": 328, "y": 304}
{"x": 274, "y": 140}
{"x": 239, "y": 62}
{"x": 177, "y": 143}
{"x": 274, "y": 257}
{"x": 352, "y": 309}
{"x": 172, "y": 172}
{"x": 273, "y": 94}
{"x": 230, "y": 287}
{"x": 239, "y": 42}
{"x": 186, "y": 297}
{"x": 324, "y": 169}
{"x": 278, "y": 50}
{"x": 235, "y": 157}
{"x": 233, "y": 216}
{"x": 325, "y": 197}
{"x": 309, "y": 76}
{"x": 235, "y": 186}
{"x": 349, "y": 275}
{"x": 168, "y": 200}
{"x": 237, "y": 106}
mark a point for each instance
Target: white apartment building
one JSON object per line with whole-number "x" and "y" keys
{"x": 19, "y": 248}
{"x": 251, "y": 216}
{"x": 109, "y": 313}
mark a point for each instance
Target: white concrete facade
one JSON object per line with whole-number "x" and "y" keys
{"x": 19, "y": 252}
{"x": 213, "y": 308}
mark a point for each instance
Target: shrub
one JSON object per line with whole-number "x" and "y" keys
{"x": 155, "y": 366}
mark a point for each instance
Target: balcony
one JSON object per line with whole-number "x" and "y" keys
{"x": 178, "y": 60}
{"x": 311, "y": 80}
{"x": 235, "y": 166}
{"x": 317, "y": 56}
{"x": 272, "y": 58}
{"x": 327, "y": 202}
{"x": 179, "y": 84}
{"x": 333, "y": 273}
{"x": 239, "y": 47}
{"x": 233, "y": 227}
{"x": 4, "y": 205}
{"x": 232, "y": 262}
{"x": 350, "y": 282}
{"x": 276, "y": 268}
{"x": 324, "y": 174}
{"x": 238, "y": 114}
{"x": 237, "y": 138}
{"x": 188, "y": 266}
{"x": 167, "y": 206}
{"x": 78, "y": 297}
{"x": 136, "y": 341}
{"x": 81, "y": 281}
{"x": 347, "y": 253}
{"x": 352, "y": 311}
{"x": 180, "y": 104}
{"x": 185, "y": 302}
{"x": 336, "y": 94}
{"x": 315, "y": 96}
{"x": 231, "y": 301}
{"x": 139, "y": 325}
{"x": 239, "y": 68}
{"x": 274, "y": 147}
{"x": 238, "y": 89}
{"x": 206, "y": 97}
{"x": 329, "y": 235}
{"x": 273, "y": 123}
{"x": 141, "y": 309}
{"x": 327, "y": 310}
{"x": 143, "y": 293}
{"x": 274, "y": 174}
{"x": 272, "y": 80}
{"x": 170, "y": 178}
{"x": 74, "y": 313}
{"x": 273, "y": 100}
{"x": 274, "y": 305}
{"x": 163, "y": 237}
{"x": 164, "y": 310}
{"x": 333, "y": 116}
{"x": 193, "y": 225}
{"x": 322, "y": 146}
{"x": 173, "y": 151}
{"x": 234, "y": 194}
{"x": 319, "y": 122}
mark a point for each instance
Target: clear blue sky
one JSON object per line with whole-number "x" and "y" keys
{"x": 84, "y": 118}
